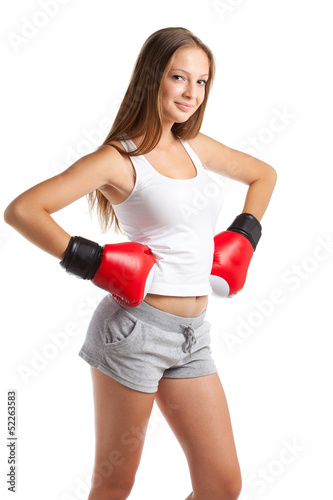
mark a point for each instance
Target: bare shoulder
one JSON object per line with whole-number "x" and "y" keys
{"x": 229, "y": 162}
{"x": 119, "y": 173}
{"x": 202, "y": 144}
{"x": 117, "y": 167}
{"x": 110, "y": 148}
{"x": 110, "y": 154}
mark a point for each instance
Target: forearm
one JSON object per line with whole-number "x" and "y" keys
{"x": 259, "y": 194}
{"x": 37, "y": 226}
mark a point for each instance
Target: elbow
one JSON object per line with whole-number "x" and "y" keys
{"x": 267, "y": 176}
{"x": 14, "y": 213}
{"x": 9, "y": 214}
{"x": 274, "y": 178}
{"x": 273, "y": 174}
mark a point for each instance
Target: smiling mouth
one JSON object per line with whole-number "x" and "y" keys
{"x": 184, "y": 106}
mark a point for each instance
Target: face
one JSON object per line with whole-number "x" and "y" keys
{"x": 183, "y": 88}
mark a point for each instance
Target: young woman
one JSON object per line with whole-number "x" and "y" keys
{"x": 148, "y": 340}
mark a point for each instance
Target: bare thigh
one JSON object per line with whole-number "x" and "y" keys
{"x": 201, "y": 422}
{"x": 121, "y": 419}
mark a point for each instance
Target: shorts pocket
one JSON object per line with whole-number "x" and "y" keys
{"x": 120, "y": 329}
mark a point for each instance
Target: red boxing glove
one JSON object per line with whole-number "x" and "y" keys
{"x": 232, "y": 255}
{"x": 124, "y": 269}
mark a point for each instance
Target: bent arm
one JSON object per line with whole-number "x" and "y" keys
{"x": 259, "y": 194}
{"x": 258, "y": 175}
{"x": 32, "y": 220}
{"x": 30, "y": 213}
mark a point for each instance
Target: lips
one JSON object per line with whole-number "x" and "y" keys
{"x": 184, "y": 106}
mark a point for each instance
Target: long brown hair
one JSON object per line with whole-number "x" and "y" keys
{"x": 140, "y": 111}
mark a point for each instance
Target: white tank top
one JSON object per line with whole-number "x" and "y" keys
{"x": 176, "y": 219}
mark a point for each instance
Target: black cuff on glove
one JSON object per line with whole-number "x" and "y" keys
{"x": 82, "y": 257}
{"x": 248, "y": 226}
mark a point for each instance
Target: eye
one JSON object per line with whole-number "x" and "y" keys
{"x": 202, "y": 82}
{"x": 177, "y": 77}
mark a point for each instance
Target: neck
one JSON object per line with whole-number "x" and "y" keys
{"x": 167, "y": 138}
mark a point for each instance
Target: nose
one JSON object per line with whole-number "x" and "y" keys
{"x": 190, "y": 90}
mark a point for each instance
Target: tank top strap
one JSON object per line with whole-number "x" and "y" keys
{"x": 138, "y": 162}
{"x": 127, "y": 144}
{"x": 130, "y": 146}
{"x": 192, "y": 154}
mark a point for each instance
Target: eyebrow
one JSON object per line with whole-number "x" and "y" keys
{"x": 184, "y": 71}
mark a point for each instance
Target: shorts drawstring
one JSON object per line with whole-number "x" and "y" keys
{"x": 190, "y": 338}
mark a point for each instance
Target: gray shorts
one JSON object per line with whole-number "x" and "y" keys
{"x": 137, "y": 346}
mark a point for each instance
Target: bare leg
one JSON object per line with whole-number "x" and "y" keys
{"x": 203, "y": 428}
{"x": 121, "y": 419}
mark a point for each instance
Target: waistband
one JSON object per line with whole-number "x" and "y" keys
{"x": 163, "y": 320}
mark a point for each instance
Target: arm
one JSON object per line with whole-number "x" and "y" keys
{"x": 239, "y": 166}
{"x": 30, "y": 213}
{"x": 124, "y": 269}
{"x": 234, "y": 248}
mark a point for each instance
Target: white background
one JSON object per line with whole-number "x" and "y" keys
{"x": 272, "y": 343}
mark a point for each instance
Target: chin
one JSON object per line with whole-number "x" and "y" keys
{"x": 183, "y": 120}
{"x": 182, "y": 117}
{"x": 179, "y": 117}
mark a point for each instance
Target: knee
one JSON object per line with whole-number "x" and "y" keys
{"x": 109, "y": 492}
{"x": 109, "y": 483}
{"x": 223, "y": 488}
{"x": 233, "y": 492}
{"x": 111, "y": 488}
{"x": 231, "y": 489}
